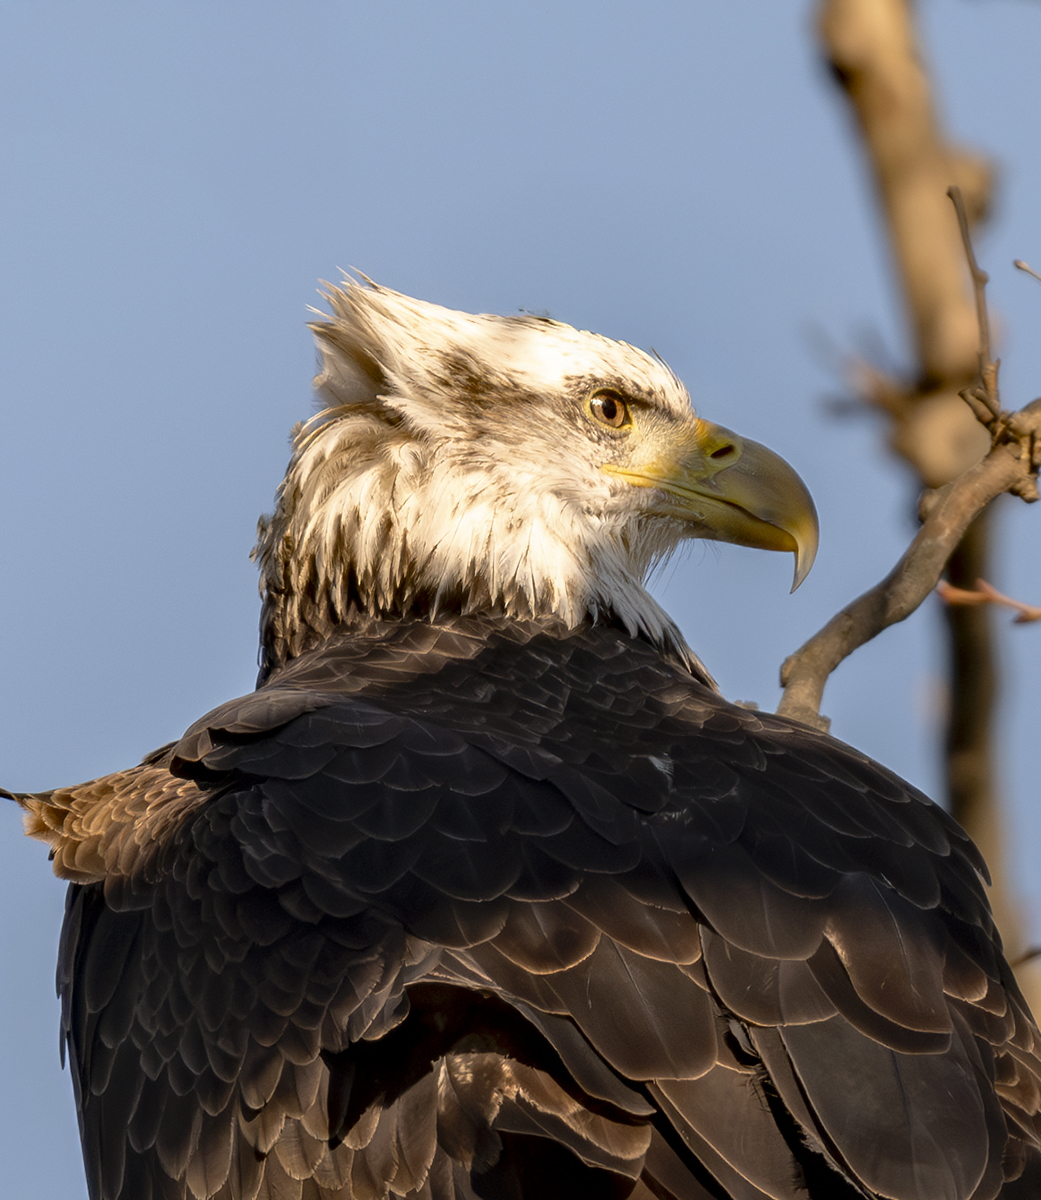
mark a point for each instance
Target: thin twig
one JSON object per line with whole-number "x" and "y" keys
{"x": 982, "y": 397}
{"x": 950, "y": 594}
{"x": 1022, "y": 266}
{"x": 984, "y": 593}
{"x": 980, "y": 278}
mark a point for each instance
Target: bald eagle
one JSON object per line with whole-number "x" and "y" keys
{"x": 485, "y": 892}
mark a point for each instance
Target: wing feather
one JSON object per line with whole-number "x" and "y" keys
{"x": 664, "y": 935}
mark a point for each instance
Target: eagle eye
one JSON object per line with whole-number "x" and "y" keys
{"x": 609, "y": 408}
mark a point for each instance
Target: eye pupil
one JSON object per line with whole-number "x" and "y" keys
{"x": 609, "y": 408}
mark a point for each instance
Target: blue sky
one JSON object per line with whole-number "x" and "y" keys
{"x": 179, "y": 177}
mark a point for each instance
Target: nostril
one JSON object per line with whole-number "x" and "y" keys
{"x": 724, "y": 452}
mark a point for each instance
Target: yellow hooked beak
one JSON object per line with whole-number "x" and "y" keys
{"x": 728, "y": 490}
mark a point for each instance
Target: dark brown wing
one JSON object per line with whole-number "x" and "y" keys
{"x": 488, "y": 909}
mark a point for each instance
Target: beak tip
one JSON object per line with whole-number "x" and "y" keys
{"x": 805, "y": 556}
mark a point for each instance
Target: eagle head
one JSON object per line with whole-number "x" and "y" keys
{"x": 501, "y": 464}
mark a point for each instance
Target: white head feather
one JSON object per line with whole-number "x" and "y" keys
{"x": 455, "y": 469}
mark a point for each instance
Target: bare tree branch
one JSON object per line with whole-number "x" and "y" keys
{"x": 1011, "y": 466}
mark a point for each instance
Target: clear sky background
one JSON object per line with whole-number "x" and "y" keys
{"x": 177, "y": 177}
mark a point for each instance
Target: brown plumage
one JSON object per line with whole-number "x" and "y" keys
{"x": 485, "y": 891}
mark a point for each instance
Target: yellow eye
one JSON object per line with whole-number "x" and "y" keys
{"x": 610, "y": 409}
